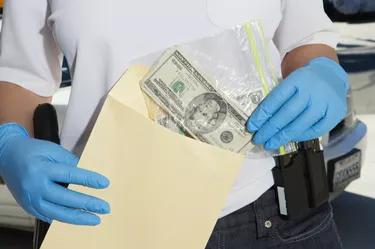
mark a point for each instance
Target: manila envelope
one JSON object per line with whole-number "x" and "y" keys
{"x": 166, "y": 190}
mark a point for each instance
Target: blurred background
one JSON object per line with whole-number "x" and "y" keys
{"x": 348, "y": 147}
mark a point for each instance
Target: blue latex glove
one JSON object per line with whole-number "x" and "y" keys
{"x": 31, "y": 168}
{"x": 306, "y": 105}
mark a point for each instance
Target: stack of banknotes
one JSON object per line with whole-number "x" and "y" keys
{"x": 182, "y": 97}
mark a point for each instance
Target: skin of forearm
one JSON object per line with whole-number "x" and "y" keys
{"x": 298, "y": 57}
{"x": 18, "y": 104}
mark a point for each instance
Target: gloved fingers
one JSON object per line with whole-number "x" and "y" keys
{"x": 36, "y": 214}
{"x": 269, "y": 106}
{"x": 66, "y": 157}
{"x": 72, "y": 199}
{"x": 332, "y": 116}
{"x": 73, "y": 175}
{"x": 67, "y": 215}
{"x": 307, "y": 119}
{"x": 284, "y": 116}
{"x": 317, "y": 130}
{"x": 41, "y": 217}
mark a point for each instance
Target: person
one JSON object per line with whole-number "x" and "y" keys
{"x": 100, "y": 39}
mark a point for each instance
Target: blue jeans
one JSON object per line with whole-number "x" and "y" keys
{"x": 259, "y": 226}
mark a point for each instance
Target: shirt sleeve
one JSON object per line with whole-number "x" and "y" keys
{"x": 304, "y": 22}
{"x": 29, "y": 56}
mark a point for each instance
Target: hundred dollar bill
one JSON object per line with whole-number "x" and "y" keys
{"x": 190, "y": 96}
{"x": 247, "y": 101}
{"x": 243, "y": 96}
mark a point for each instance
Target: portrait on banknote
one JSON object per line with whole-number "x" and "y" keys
{"x": 205, "y": 113}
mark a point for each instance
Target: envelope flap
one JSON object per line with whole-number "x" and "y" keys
{"x": 127, "y": 90}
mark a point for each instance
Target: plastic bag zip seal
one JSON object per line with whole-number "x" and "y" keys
{"x": 284, "y": 149}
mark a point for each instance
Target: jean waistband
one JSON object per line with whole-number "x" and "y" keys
{"x": 248, "y": 214}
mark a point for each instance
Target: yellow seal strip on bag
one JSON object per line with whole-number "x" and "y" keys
{"x": 259, "y": 66}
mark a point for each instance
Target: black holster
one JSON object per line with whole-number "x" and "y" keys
{"x": 301, "y": 180}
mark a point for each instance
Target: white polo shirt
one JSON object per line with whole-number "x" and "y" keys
{"x": 100, "y": 38}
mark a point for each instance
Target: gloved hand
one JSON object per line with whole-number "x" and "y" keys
{"x": 31, "y": 168}
{"x": 306, "y": 105}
